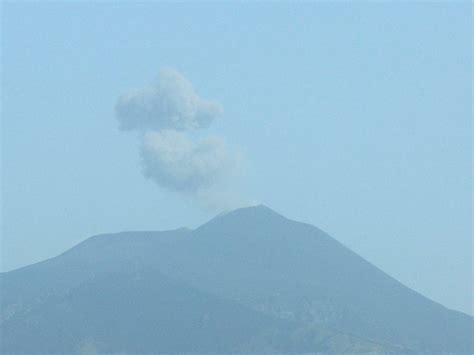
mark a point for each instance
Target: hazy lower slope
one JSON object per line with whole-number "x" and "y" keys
{"x": 294, "y": 282}
{"x": 139, "y": 311}
{"x": 142, "y": 311}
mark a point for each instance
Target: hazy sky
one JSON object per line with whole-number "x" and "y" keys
{"x": 352, "y": 117}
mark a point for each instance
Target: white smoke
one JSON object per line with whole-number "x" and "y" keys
{"x": 170, "y": 103}
{"x": 204, "y": 169}
{"x": 175, "y": 162}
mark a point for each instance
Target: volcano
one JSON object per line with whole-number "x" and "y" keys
{"x": 247, "y": 281}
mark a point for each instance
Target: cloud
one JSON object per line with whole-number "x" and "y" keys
{"x": 165, "y": 113}
{"x": 170, "y": 103}
{"x": 174, "y": 161}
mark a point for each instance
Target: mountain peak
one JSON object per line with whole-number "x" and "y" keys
{"x": 253, "y": 215}
{"x": 255, "y": 211}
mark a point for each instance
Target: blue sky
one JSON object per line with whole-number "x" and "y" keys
{"x": 352, "y": 117}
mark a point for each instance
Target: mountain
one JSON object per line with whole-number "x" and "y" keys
{"x": 247, "y": 281}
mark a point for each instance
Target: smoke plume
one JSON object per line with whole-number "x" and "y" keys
{"x": 202, "y": 168}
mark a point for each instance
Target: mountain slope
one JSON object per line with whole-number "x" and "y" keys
{"x": 299, "y": 271}
{"x": 291, "y": 274}
{"x": 140, "y": 311}
{"x": 143, "y": 311}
